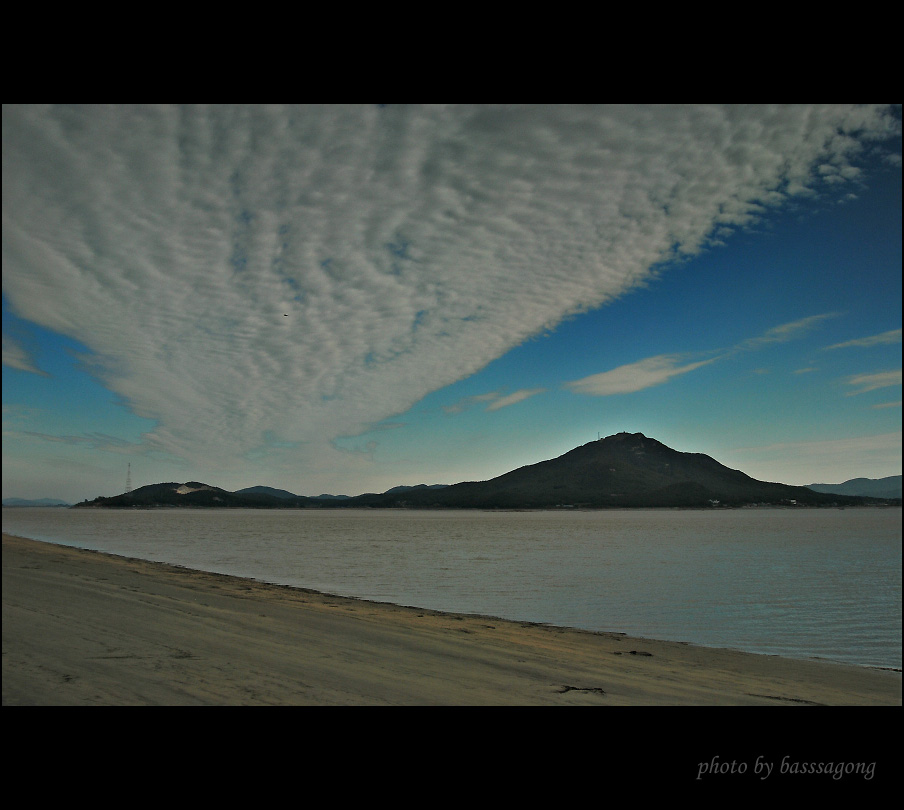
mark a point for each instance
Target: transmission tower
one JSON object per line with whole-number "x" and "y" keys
{"x": 129, "y": 477}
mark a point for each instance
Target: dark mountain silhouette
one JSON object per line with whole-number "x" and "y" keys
{"x": 282, "y": 493}
{"x": 397, "y": 490}
{"x": 276, "y": 493}
{"x": 624, "y": 470}
{"x": 889, "y": 487}
{"x": 194, "y": 493}
{"x": 392, "y": 491}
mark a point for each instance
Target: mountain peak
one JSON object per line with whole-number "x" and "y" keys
{"x": 625, "y": 470}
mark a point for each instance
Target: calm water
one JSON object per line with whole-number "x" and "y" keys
{"x": 791, "y": 582}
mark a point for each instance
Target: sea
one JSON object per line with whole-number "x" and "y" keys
{"x": 795, "y": 582}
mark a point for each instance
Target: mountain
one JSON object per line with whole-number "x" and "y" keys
{"x": 194, "y": 493}
{"x": 36, "y": 502}
{"x": 889, "y": 487}
{"x": 627, "y": 470}
{"x": 281, "y": 493}
{"x": 392, "y": 491}
{"x": 624, "y": 470}
{"x": 396, "y": 490}
{"x": 276, "y": 493}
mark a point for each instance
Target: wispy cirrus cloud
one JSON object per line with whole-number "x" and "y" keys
{"x": 652, "y": 371}
{"x": 493, "y": 401}
{"x": 634, "y": 377}
{"x": 302, "y": 273}
{"x": 468, "y": 402}
{"x": 513, "y": 398}
{"x": 885, "y": 338}
{"x": 15, "y": 356}
{"x": 786, "y": 331}
{"x": 872, "y": 382}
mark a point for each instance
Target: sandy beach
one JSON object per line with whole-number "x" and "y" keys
{"x": 85, "y": 628}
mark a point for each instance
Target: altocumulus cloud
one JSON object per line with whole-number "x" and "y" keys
{"x": 257, "y": 277}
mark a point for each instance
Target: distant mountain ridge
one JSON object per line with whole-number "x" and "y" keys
{"x": 396, "y": 490}
{"x": 888, "y": 487}
{"x": 281, "y": 493}
{"x": 34, "y": 502}
{"x": 195, "y": 493}
{"x": 627, "y": 470}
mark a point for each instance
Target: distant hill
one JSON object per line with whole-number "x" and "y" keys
{"x": 627, "y": 470}
{"x": 396, "y": 490}
{"x": 35, "y": 502}
{"x": 392, "y": 491}
{"x": 194, "y": 493}
{"x": 276, "y": 493}
{"x": 281, "y": 493}
{"x": 889, "y": 487}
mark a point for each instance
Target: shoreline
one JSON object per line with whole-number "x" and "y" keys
{"x": 84, "y": 627}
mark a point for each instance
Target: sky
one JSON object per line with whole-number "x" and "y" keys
{"x": 345, "y": 298}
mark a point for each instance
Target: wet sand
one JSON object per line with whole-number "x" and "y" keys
{"x": 85, "y": 628}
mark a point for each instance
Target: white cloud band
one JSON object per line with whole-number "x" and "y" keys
{"x": 256, "y": 277}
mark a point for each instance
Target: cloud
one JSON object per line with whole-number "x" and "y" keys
{"x": 872, "y": 382}
{"x": 892, "y": 336}
{"x": 467, "y": 402}
{"x": 15, "y": 356}
{"x": 494, "y": 400}
{"x": 657, "y": 370}
{"x": 302, "y": 273}
{"x": 786, "y": 332}
{"x": 99, "y": 441}
{"x": 517, "y": 396}
{"x": 635, "y": 377}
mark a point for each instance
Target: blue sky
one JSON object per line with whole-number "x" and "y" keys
{"x": 344, "y": 299}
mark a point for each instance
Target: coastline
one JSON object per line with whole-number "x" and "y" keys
{"x": 87, "y": 628}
